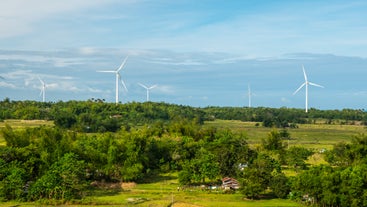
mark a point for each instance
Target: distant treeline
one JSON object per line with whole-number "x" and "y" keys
{"x": 98, "y": 116}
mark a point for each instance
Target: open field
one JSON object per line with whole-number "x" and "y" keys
{"x": 17, "y": 124}
{"x": 162, "y": 191}
{"x": 315, "y": 136}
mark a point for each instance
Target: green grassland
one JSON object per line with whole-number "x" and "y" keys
{"x": 162, "y": 192}
{"x": 314, "y": 136}
{"x": 15, "y": 123}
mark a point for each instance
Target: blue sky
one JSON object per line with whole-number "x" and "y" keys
{"x": 199, "y": 53}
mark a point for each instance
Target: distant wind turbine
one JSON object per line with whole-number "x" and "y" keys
{"x": 306, "y": 83}
{"x": 249, "y": 96}
{"x": 118, "y": 77}
{"x": 43, "y": 89}
{"x": 148, "y": 89}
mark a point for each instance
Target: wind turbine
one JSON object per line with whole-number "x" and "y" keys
{"x": 306, "y": 83}
{"x": 249, "y": 96}
{"x": 118, "y": 77}
{"x": 147, "y": 88}
{"x": 43, "y": 89}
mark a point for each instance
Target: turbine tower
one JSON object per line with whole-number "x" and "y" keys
{"x": 43, "y": 89}
{"x": 306, "y": 83}
{"x": 118, "y": 77}
{"x": 147, "y": 88}
{"x": 249, "y": 96}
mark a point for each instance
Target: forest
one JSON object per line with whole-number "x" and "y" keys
{"x": 96, "y": 141}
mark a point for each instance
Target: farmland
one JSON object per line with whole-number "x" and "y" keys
{"x": 156, "y": 154}
{"x": 315, "y": 136}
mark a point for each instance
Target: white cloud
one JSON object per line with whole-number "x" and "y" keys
{"x": 165, "y": 89}
{"x": 4, "y": 84}
{"x": 18, "y": 17}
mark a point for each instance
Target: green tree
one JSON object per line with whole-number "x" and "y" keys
{"x": 13, "y": 181}
{"x": 64, "y": 180}
{"x": 15, "y": 139}
{"x": 280, "y": 185}
{"x": 296, "y": 157}
{"x": 257, "y": 176}
{"x": 274, "y": 141}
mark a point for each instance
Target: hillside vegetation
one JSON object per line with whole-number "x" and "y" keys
{"x": 74, "y": 152}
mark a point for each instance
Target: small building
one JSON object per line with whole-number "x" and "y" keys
{"x": 230, "y": 183}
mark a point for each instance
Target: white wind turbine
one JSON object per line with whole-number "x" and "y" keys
{"x": 148, "y": 89}
{"x": 43, "y": 89}
{"x": 118, "y": 77}
{"x": 249, "y": 96}
{"x": 306, "y": 83}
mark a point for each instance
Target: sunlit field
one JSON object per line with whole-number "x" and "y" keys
{"x": 315, "y": 136}
{"x": 162, "y": 191}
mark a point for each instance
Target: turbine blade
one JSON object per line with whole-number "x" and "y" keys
{"x": 314, "y": 84}
{"x": 122, "y": 64}
{"x": 123, "y": 83}
{"x": 144, "y": 86}
{"x": 304, "y": 73}
{"x": 41, "y": 92}
{"x": 43, "y": 83}
{"x": 106, "y": 71}
{"x": 299, "y": 88}
{"x": 151, "y": 87}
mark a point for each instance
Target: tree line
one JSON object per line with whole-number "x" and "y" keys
{"x": 98, "y": 116}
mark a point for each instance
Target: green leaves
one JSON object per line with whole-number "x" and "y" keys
{"x": 64, "y": 180}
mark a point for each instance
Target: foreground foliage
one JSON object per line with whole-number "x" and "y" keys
{"x": 141, "y": 140}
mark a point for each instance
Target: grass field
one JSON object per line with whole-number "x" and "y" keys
{"x": 163, "y": 192}
{"x": 315, "y": 136}
{"x": 15, "y": 123}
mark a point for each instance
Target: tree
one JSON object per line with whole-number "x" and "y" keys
{"x": 280, "y": 185}
{"x": 14, "y": 139}
{"x": 65, "y": 180}
{"x": 296, "y": 156}
{"x": 273, "y": 141}
{"x": 257, "y": 176}
{"x": 231, "y": 151}
{"x": 202, "y": 167}
{"x": 13, "y": 181}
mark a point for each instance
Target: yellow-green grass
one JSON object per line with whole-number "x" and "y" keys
{"x": 18, "y": 124}
{"x": 314, "y": 136}
{"x": 164, "y": 191}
